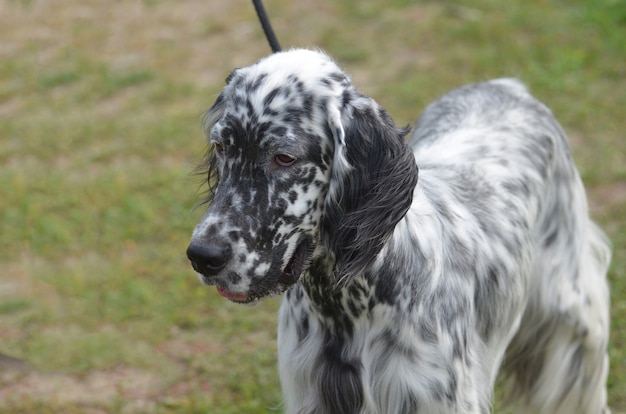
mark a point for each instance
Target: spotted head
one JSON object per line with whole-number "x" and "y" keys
{"x": 297, "y": 171}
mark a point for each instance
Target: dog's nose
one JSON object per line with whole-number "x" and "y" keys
{"x": 208, "y": 259}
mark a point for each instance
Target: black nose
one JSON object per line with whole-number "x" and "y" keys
{"x": 208, "y": 259}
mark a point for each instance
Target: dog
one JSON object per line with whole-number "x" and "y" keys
{"x": 406, "y": 295}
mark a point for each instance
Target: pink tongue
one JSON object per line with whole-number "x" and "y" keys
{"x": 237, "y": 297}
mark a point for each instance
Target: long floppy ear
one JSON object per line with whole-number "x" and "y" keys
{"x": 373, "y": 179}
{"x": 208, "y": 167}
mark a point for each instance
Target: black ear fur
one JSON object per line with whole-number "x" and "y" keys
{"x": 373, "y": 195}
{"x": 208, "y": 167}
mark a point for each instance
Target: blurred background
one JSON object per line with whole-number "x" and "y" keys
{"x": 100, "y": 130}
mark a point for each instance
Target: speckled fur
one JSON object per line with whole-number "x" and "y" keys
{"x": 413, "y": 295}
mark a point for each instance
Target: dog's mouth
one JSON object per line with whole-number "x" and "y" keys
{"x": 235, "y": 297}
{"x": 289, "y": 276}
{"x": 294, "y": 268}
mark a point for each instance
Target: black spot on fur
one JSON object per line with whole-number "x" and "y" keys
{"x": 340, "y": 385}
{"x": 303, "y": 327}
{"x": 269, "y": 98}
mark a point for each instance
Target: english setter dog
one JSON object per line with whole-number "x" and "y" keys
{"x": 406, "y": 295}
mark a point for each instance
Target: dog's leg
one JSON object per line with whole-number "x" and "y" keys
{"x": 558, "y": 361}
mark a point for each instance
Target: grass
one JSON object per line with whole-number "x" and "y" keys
{"x": 100, "y": 109}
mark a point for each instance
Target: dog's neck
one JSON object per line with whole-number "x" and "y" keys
{"x": 339, "y": 308}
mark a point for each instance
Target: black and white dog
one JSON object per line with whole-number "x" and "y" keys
{"x": 406, "y": 295}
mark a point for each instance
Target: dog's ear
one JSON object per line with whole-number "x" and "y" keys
{"x": 373, "y": 179}
{"x": 216, "y": 111}
{"x": 208, "y": 167}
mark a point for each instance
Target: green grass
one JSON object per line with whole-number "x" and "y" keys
{"x": 100, "y": 113}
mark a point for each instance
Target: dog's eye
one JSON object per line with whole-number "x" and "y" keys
{"x": 284, "y": 160}
{"x": 219, "y": 147}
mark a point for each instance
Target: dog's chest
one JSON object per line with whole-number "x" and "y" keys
{"x": 341, "y": 356}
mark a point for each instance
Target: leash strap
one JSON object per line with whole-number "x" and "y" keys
{"x": 267, "y": 27}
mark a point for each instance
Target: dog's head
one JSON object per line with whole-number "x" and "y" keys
{"x": 299, "y": 165}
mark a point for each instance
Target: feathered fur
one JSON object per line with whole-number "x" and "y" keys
{"x": 406, "y": 295}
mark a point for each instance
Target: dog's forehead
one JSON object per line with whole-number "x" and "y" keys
{"x": 304, "y": 65}
{"x": 280, "y": 97}
{"x": 288, "y": 75}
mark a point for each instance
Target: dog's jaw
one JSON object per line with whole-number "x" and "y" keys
{"x": 290, "y": 275}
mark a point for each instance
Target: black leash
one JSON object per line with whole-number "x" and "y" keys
{"x": 267, "y": 27}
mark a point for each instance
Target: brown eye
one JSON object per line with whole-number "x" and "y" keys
{"x": 219, "y": 147}
{"x": 284, "y": 160}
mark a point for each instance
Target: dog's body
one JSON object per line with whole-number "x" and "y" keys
{"x": 405, "y": 297}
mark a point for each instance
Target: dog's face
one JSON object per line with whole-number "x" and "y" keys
{"x": 301, "y": 165}
{"x": 272, "y": 168}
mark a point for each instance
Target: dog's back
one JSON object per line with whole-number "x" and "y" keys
{"x": 497, "y": 147}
